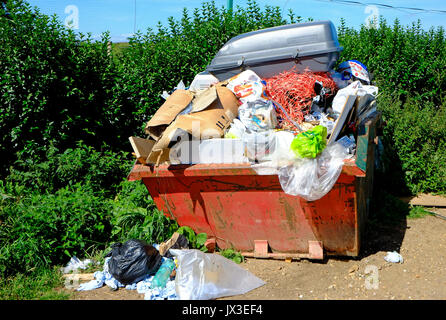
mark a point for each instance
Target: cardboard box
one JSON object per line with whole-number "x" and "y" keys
{"x": 212, "y": 112}
{"x": 164, "y": 116}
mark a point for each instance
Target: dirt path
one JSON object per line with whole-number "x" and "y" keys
{"x": 421, "y": 242}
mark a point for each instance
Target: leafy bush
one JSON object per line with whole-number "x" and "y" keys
{"x": 414, "y": 140}
{"x": 233, "y": 255}
{"x": 408, "y": 66}
{"x": 38, "y": 230}
{"x": 157, "y": 60}
{"x": 103, "y": 170}
{"x": 404, "y": 60}
{"x": 135, "y": 216}
{"x": 54, "y": 88}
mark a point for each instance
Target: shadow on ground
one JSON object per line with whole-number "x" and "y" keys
{"x": 383, "y": 236}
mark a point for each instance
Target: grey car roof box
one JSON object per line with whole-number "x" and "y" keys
{"x": 312, "y": 45}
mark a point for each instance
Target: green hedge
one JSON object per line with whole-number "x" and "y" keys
{"x": 60, "y": 196}
{"x": 38, "y": 230}
{"x": 408, "y": 65}
{"x": 404, "y": 60}
{"x": 57, "y": 89}
{"x": 101, "y": 170}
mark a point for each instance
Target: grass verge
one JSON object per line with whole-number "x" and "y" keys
{"x": 41, "y": 284}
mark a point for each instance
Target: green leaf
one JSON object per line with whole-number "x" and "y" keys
{"x": 201, "y": 239}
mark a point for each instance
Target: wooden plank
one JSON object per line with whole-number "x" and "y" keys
{"x": 141, "y": 147}
{"x": 79, "y": 276}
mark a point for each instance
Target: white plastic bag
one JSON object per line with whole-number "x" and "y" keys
{"x": 311, "y": 179}
{"x": 236, "y": 130}
{"x": 204, "y": 276}
{"x": 323, "y": 120}
{"x": 247, "y": 86}
{"x": 357, "y": 89}
{"x": 280, "y": 156}
{"x": 259, "y": 145}
{"x": 74, "y": 264}
{"x": 394, "y": 257}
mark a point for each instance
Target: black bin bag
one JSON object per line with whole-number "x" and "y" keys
{"x": 133, "y": 261}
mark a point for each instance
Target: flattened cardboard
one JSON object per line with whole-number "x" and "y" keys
{"x": 142, "y": 148}
{"x": 204, "y": 99}
{"x": 164, "y": 116}
{"x": 213, "y": 120}
{"x": 158, "y": 156}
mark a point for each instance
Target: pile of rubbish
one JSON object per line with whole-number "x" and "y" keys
{"x": 270, "y": 100}
{"x": 300, "y": 126}
{"x": 169, "y": 271}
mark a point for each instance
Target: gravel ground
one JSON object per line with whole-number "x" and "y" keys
{"x": 422, "y": 275}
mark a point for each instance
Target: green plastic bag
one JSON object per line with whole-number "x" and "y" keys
{"x": 310, "y": 143}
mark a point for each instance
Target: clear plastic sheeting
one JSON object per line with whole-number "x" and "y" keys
{"x": 311, "y": 179}
{"x": 259, "y": 145}
{"x": 205, "y": 276}
{"x": 281, "y": 155}
{"x": 74, "y": 264}
{"x": 258, "y": 115}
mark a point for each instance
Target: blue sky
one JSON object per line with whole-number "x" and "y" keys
{"x": 118, "y": 16}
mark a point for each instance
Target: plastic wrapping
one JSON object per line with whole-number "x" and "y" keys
{"x": 311, "y": 179}
{"x": 258, "y": 115}
{"x": 348, "y": 142}
{"x": 357, "y": 89}
{"x": 236, "y": 130}
{"x": 323, "y": 120}
{"x": 259, "y": 145}
{"x": 202, "y": 81}
{"x": 280, "y": 156}
{"x": 204, "y": 276}
{"x": 247, "y": 86}
{"x": 74, "y": 264}
{"x": 309, "y": 144}
{"x": 256, "y": 112}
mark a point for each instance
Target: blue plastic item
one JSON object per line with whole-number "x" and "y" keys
{"x": 162, "y": 275}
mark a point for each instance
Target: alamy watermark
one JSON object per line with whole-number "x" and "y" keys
{"x": 72, "y": 20}
{"x": 372, "y": 19}
{"x": 372, "y": 278}
{"x": 72, "y": 281}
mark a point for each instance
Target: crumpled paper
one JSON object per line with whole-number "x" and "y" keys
{"x": 142, "y": 287}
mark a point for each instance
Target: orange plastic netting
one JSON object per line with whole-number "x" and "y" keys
{"x": 295, "y": 91}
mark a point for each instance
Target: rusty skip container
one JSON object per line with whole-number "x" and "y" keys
{"x": 251, "y": 213}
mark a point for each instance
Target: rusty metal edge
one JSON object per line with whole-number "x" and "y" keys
{"x": 140, "y": 171}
